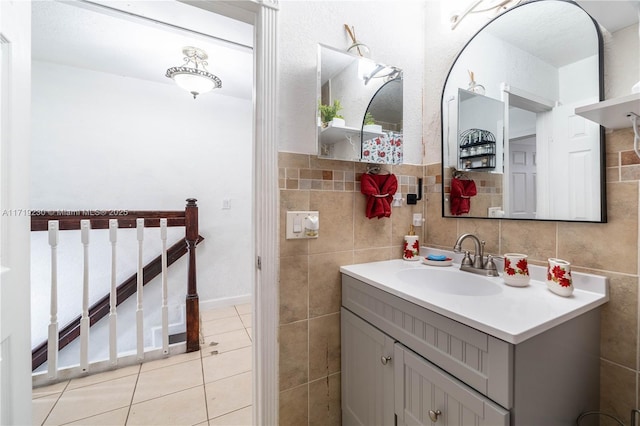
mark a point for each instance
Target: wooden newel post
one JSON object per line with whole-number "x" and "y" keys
{"x": 192, "y": 306}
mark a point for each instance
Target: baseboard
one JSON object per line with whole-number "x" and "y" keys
{"x": 223, "y": 302}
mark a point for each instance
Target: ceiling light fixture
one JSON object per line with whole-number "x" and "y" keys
{"x": 196, "y": 79}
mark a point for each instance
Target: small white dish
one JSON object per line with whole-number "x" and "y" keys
{"x": 447, "y": 262}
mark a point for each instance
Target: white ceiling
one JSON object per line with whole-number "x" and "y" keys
{"x": 548, "y": 39}
{"x": 612, "y": 14}
{"x": 84, "y": 35}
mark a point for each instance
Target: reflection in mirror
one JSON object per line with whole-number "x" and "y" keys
{"x": 357, "y": 101}
{"x": 536, "y": 63}
{"x": 383, "y": 119}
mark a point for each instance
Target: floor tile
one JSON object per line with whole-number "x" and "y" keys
{"x": 217, "y": 313}
{"x": 96, "y": 399}
{"x": 112, "y": 418}
{"x": 222, "y": 325}
{"x": 227, "y": 395}
{"x": 245, "y": 308}
{"x": 186, "y": 407}
{"x": 242, "y": 417}
{"x": 170, "y": 391}
{"x": 246, "y": 320}
{"x": 168, "y": 380}
{"x": 171, "y": 360}
{"x": 226, "y": 364}
{"x": 225, "y": 342}
{"x": 49, "y": 390}
{"x": 103, "y": 377}
{"x": 41, "y": 407}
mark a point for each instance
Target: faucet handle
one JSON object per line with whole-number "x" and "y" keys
{"x": 466, "y": 260}
{"x": 490, "y": 266}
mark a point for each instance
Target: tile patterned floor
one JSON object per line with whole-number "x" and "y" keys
{"x": 198, "y": 388}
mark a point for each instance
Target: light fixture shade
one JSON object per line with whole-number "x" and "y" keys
{"x": 195, "y": 80}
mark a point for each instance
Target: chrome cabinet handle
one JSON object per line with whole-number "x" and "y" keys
{"x": 433, "y": 415}
{"x": 385, "y": 359}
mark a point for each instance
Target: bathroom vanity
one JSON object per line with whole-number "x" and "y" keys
{"x": 431, "y": 345}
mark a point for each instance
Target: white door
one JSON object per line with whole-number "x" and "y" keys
{"x": 575, "y": 162}
{"x": 522, "y": 178}
{"x": 15, "y": 294}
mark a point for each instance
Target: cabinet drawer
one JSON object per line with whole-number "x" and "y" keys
{"x": 482, "y": 361}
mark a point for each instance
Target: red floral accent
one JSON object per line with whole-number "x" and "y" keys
{"x": 408, "y": 254}
{"x": 523, "y": 266}
{"x": 559, "y": 275}
{"x": 366, "y": 153}
{"x": 416, "y": 245}
{"x": 382, "y": 154}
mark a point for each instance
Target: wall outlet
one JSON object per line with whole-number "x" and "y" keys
{"x": 302, "y": 224}
{"x": 495, "y": 212}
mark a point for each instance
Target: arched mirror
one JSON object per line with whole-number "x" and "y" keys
{"x": 359, "y": 104}
{"x": 512, "y": 145}
{"x": 383, "y": 121}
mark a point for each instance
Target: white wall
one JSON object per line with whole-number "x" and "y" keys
{"x": 392, "y": 29}
{"x": 621, "y": 64}
{"x": 102, "y": 141}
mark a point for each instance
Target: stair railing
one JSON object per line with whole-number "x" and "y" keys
{"x": 53, "y": 222}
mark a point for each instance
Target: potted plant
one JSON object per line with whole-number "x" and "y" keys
{"x": 329, "y": 114}
{"x": 369, "y": 124}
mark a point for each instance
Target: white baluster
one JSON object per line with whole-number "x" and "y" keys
{"x": 165, "y": 306}
{"x": 113, "y": 315}
{"x": 139, "y": 310}
{"x": 85, "y": 227}
{"x": 52, "y": 345}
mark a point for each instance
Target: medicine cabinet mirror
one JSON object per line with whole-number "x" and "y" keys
{"x": 359, "y": 115}
{"x": 512, "y": 145}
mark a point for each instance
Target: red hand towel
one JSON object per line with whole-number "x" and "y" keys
{"x": 379, "y": 190}
{"x": 461, "y": 191}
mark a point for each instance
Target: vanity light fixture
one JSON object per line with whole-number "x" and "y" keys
{"x": 195, "y": 79}
{"x": 382, "y": 71}
{"x": 498, "y": 6}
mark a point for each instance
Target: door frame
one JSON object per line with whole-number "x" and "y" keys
{"x": 262, "y": 14}
{"x": 15, "y": 291}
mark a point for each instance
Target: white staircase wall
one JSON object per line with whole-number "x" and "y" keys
{"x": 102, "y": 141}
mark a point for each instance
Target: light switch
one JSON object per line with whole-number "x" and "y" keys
{"x": 297, "y": 224}
{"x": 302, "y": 224}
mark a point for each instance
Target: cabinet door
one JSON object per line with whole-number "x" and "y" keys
{"x": 426, "y": 395}
{"x": 367, "y": 373}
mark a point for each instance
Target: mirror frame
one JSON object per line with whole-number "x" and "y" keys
{"x": 603, "y": 194}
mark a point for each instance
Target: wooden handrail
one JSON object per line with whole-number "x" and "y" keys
{"x": 70, "y": 220}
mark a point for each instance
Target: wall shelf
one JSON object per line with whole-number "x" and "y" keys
{"x": 612, "y": 113}
{"x": 333, "y": 134}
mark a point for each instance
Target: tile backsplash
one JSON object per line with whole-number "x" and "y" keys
{"x": 310, "y": 279}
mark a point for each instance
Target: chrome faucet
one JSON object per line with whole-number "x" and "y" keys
{"x": 477, "y": 265}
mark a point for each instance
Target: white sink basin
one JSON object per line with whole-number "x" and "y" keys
{"x": 450, "y": 281}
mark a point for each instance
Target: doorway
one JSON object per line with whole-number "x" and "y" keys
{"x": 106, "y": 133}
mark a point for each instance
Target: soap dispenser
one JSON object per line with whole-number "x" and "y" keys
{"x": 411, "y": 249}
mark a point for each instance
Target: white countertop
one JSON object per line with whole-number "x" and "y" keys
{"x": 512, "y": 314}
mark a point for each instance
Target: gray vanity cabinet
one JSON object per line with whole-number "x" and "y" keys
{"x": 367, "y": 380}
{"x": 403, "y": 364}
